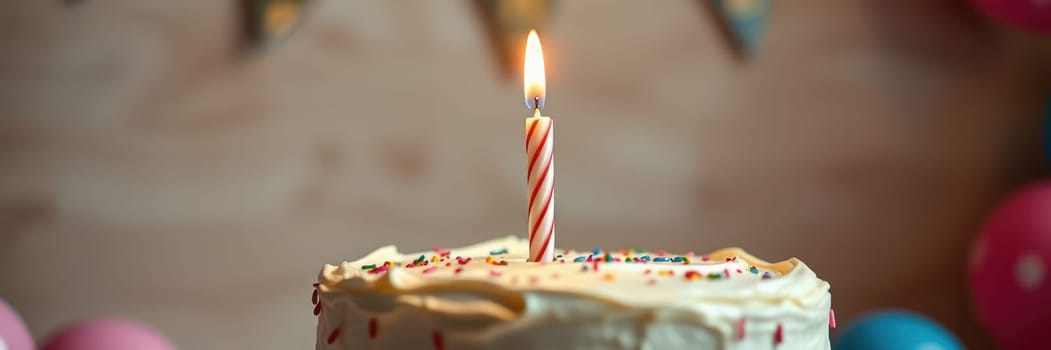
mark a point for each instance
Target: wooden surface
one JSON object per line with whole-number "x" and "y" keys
{"x": 152, "y": 169}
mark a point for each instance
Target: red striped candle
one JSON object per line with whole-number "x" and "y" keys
{"x": 540, "y": 157}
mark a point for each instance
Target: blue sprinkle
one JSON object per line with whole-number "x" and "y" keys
{"x": 676, "y": 259}
{"x": 596, "y": 251}
{"x": 498, "y": 252}
{"x": 754, "y": 270}
{"x": 645, "y": 258}
{"x": 660, "y": 259}
{"x": 579, "y": 259}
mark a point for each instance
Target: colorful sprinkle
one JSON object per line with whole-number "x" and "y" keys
{"x": 494, "y": 273}
{"x": 766, "y": 275}
{"x": 831, "y": 318}
{"x": 660, "y": 259}
{"x": 686, "y": 261}
{"x": 608, "y": 258}
{"x": 667, "y": 273}
{"x": 333, "y": 336}
{"x": 420, "y": 259}
{"x": 437, "y": 338}
{"x": 579, "y": 259}
{"x": 430, "y": 270}
{"x": 726, "y": 273}
{"x": 594, "y": 265}
{"x": 645, "y": 258}
{"x": 435, "y": 258}
{"x": 609, "y": 276}
{"x": 314, "y": 298}
{"x": 753, "y": 270}
{"x": 317, "y": 309}
{"x": 368, "y": 267}
{"x": 705, "y": 258}
{"x": 739, "y": 271}
{"x": 648, "y": 271}
{"x": 458, "y": 270}
{"x": 692, "y": 275}
{"x": 676, "y": 259}
{"x": 740, "y": 329}
{"x": 498, "y": 251}
{"x": 715, "y": 276}
{"x": 779, "y": 335}
{"x": 652, "y": 281}
{"x": 373, "y": 328}
{"x": 597, "y": 251}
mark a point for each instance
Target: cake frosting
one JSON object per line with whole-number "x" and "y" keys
{"x": 487, "y": 296}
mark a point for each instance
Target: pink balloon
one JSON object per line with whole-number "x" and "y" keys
{"x": 13, "y": 332}
{"x": 109, "y": 334}
{"x": 1011, "y": 269}
{"x": 1030, "y": 15}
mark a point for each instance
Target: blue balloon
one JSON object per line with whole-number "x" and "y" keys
{"x": 895, "y": 330}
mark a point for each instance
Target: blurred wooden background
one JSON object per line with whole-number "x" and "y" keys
{"x": 150, "y": 168}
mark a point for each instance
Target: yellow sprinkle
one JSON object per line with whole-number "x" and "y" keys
{"x": 489, "y": 259}
{"x": 609, "y": 276}
{"x": 665, "y": 273}
{"x": 434, "y": 258}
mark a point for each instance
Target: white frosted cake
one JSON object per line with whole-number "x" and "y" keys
{"x": 487, "y": 296}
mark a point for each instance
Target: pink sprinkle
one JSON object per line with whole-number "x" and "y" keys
{"x": 379, "y": 270}
{"x": 445, "y": 254}
{"x": 565, "y": 252}
{"x": 594, "y": 265}
{"x": 689, "y": 253}
{"x": 437, "y": 250}
{"x": 534, "y": 279}
{"x": 779, "y": 336}
{"x": 740, "y": 329}
{"x": 831, "y": 318}
{"x": 616, "y": 259}
{"x": 705, "y": 258}
{"x": 589, "y": 258}
{"x": 314, "y": 298}
{"x": 661, "y": 253}
{"x": 430, "y": 270}
{"x": 726, "y": 273}
{"x": 495, "y": 273}
{"x": 652, "y": 281}
{"x": 317, "y": 309}
{"x": 410, "y": 265}
{"x": 463, "y": 261}
{"x": 648, "y": 271}
{"x": 458, "y": 270}
{"x": 332, "y": 337}
{"x": 448, "y": 264}
{"x": 739, "y": 271}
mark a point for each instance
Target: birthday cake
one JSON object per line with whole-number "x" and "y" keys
{"x": 487, "y": 296}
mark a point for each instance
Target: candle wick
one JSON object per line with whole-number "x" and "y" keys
{"x": 536, "y": 103}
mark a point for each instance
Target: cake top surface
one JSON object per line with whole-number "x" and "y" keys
{"x": 629, "y": 277}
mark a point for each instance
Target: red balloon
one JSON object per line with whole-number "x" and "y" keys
{"x": 1029, "y": 15}
{"x": 1011, "y": 269}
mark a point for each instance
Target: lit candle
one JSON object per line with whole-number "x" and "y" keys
{"x": 539, "y": 157}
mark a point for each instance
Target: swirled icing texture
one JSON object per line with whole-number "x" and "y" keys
{"x": 496, "y": 300}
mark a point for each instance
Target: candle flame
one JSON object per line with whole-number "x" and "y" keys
{"x": 535, "y": 81}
